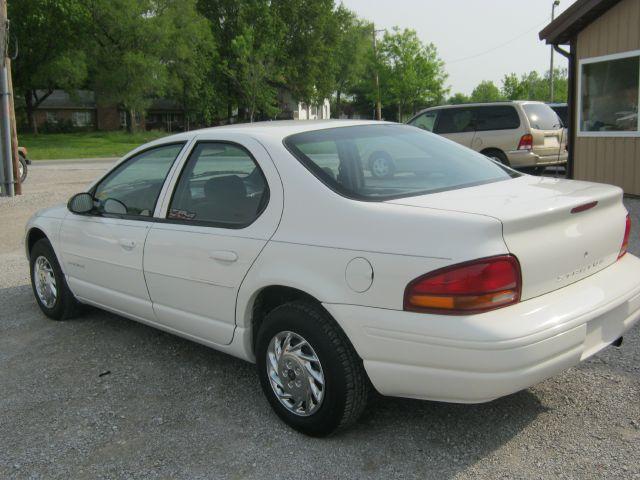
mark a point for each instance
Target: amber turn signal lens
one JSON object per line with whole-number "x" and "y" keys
{"x": 470, "y": 287}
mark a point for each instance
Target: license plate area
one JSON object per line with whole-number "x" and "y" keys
{"x": 606, "y": 329}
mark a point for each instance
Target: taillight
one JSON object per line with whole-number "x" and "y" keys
{"x": 625, "y": 240}
{"x": 526, "y": 142}
{"x": 470, "y": 287}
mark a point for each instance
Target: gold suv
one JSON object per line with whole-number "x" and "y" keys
{"x": 521, "y": 134}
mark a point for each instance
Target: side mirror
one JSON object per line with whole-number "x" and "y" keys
{"x": 114, "y": 207}
{"x": 80, "y": 203}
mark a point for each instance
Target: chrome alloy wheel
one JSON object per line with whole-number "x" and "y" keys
{"x": 380, "y": 167}
{"x": 295, "y": 373}
{"x": 45, "y": 282}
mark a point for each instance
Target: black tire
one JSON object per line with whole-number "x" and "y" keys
{"x": 65, "y": 306}
{"x": 381, "y": 165}
{"x": 497, "y": 155}
{"x": 23, "y": 164}
{"x": 346, "y": 384}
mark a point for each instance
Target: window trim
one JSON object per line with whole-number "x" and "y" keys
{"x": 121, "y": 164}
{"x": 205, "y": 223}
{"x": 578, "y": 106}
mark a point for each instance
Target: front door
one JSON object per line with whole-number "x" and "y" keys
{"x": 102, "y": 251}
{"x": 225, "y": 206}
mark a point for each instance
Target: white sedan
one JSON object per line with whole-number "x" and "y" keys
{"x": 273, "y": 242}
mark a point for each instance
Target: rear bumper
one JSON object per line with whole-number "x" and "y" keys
{"x": 526, "y": 158}
{"x": 477, "y": 358}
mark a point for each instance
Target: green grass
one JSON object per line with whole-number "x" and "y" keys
{"x": 51, "y": 146}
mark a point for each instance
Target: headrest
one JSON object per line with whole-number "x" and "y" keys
{"x": 227, "y": 188}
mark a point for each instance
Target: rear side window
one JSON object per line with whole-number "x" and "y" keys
{"x": 455, "y": 120}
{"x": 541, "y": 116}
{"x": 503, "y": 117}
{"x": 221, "y": 185}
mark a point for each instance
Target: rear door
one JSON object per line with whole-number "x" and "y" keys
{"x": 546, "y": 129}
{"x": 223, "y": 207}
{"x": 456, "y": 124}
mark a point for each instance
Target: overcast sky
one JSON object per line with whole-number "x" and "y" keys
{"x": 477, "y": 39}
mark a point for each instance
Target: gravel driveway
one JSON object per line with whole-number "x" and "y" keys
{"x": 105, "y": 397}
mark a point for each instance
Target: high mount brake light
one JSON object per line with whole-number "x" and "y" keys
{"x": 471, "y": 287}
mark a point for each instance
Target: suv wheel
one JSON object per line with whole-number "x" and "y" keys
{"x": 381, "y": 165}
{"x": 497, "y": 155}
{"x": 308, "y": 370}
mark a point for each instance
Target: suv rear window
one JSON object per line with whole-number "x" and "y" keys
{"x": 541, "y": 116}
{"x": 381, "y": 161}
{"x": 502, "y": 117}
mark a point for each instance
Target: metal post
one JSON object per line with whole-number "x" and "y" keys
{"x": 7, "y": 160}
{"x": 553, "y": 11}
{"x": 377, "y": 77}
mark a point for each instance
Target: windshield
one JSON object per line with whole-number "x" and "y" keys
{"x": 381, "y": 162}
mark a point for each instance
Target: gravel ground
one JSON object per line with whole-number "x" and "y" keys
{"x": 105, "y": 397}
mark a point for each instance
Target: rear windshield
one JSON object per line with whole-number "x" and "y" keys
{"x": 541, "y": 116}
{"x": 381, "y": 162}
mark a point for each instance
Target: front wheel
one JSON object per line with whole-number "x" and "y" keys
{"x": 49, "y": 285}
{"x": 308, "y": 370}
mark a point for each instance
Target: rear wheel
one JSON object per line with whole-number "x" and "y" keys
{"x": 497, "y": 155}
{"x": 308, "y": 370}
{"x": 49, "y": 285}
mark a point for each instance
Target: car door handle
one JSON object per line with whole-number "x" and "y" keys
{"x": 224, "y": 256}
{"x": 127, "y": 245}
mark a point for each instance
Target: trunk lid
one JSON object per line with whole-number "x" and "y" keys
{"x": 554, "y": 246}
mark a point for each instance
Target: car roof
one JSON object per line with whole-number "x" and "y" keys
{"x": 275, "y": 130}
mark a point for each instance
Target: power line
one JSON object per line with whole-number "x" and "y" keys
{"x": 499, "y": 46}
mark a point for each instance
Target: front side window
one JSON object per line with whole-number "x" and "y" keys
{"x": 541, "y": 116}
{"x": 137, "y": 182}
{"x": 221, "y": 185}
{"x": 455, "y": 120}
{"x": 381, "y": 162}
{"x": 502, "y": 117}
{"x": 609, "y": 95}
{"x": 425, "y": 121}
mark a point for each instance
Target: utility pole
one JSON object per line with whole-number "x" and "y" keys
{"x": 376, "y": 76}
{"x": 553, "y": 12}
{"x": 9, "y": 159}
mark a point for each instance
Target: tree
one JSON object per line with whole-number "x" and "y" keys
{"x": 458, "y": 98}
{"x": 140, "y": 50}
{"x": 412, "y": 72}
{"x": 189, "y": 52}
{"x": 351, "y": 54}
{"x": 254, "y": 74}
{"x": 50, "y": 35}
{"x": 486, "y": 91}
{"x": 305, "y": 51}
{"x": 533, "y": 86}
